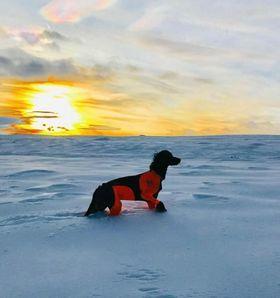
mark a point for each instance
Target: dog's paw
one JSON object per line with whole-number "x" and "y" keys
{"x": 160, "y": 207}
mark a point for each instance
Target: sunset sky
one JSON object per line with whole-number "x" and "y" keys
{"x": 125, "y": 67}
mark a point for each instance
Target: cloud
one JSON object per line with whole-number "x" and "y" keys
{"x": 185, "y": 49}
{"x": 53, "y": 35}
{"x": 218, "y": 58}
{"x": 258, "y": 125}
{"x": 152, "y": 18}
{"x": 36, "y": 36}
{"x": 5, "y": 62}
{"x": 103, "y": 127}
{"x": 36, "y": 39}
{"x": 72, "y": 11}
{"x": 17, "y": 63}
{"x": 42, "y": 117}
{"x": 2, "y": 33}
{"x": 53, "y": 46}
{"x": 30, "y": 37}
{"x": 7, "y": 121}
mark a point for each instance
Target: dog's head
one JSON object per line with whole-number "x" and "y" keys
{"x": 162, "y": 160}
{"x": 165, "y": 158}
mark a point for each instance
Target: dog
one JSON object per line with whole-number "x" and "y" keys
{"x": 142, "y": 187}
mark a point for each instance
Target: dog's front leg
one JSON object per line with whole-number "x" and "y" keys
{"x": 160, "y": 207}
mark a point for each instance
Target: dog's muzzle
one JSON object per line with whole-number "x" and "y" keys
{"x": 174, "y": 161}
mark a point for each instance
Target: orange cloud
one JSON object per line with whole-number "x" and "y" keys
{"x": 71, "y": 11}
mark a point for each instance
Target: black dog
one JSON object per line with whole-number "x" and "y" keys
{"x": 141, "y": 187}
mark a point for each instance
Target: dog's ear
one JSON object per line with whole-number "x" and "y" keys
{"x": 162, "y": 157}
{"x": 156, "y": 157}
{"x": 156, "y": 162}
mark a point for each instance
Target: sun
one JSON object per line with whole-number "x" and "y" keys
{"x": 52, "y": 109}
{"x": 55, "y": 107}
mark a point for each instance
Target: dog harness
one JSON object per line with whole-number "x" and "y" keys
{"x": 142, "y": 187}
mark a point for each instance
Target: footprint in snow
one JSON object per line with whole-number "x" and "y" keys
{"x": 141, "y": 274}
{"x": 210, "y": 198}
{"x": 25, "y": 219}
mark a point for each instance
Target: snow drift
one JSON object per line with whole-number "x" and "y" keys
{"x": 219, "y": 238}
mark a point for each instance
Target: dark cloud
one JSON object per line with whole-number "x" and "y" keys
{"x": 53, "y": 35}
{"x": 117, "y": 102}
{"x": 30, "y": 68}
{"x": 17, "y": 63}
{"x": 46, "y": 39}
{"x": 5, "y": 62}
{"x": 63, "y": 128}
{"x": 43, "y": 112}
{"x": 100, "y": 71}
{"x": 172, "y": 76}
{"x": 179, "y": 48}
{"x": 109, "y": 70}
{"x": 53, "y": 46}
{"x": 204, "y": 81}
{"x": 257, "y": 125}
{"x": 158, "y": 84}
{"x": 30, "y": 37}
{"x": 47, "y": 35}
{"x": 7, "y": 121}
{"x": 124, "y": 118}
{"x": 103, "y": 127}
{"x": 41, "y": 117}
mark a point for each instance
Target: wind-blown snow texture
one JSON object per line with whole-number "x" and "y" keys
{"x": 219, "y": 238}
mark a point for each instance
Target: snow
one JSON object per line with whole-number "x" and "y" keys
{"x": 219, "y": 238}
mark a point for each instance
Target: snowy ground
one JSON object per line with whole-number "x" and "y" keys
{"x": 219, "y": 238}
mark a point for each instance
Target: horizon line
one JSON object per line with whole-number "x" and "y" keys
{"x": 138, "y": 136}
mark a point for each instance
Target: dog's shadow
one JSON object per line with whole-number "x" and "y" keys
{"x": 128, "y": 209}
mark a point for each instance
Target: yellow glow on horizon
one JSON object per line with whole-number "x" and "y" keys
{"x": 90, "y": 108}
{"x": 59, "y": 108}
